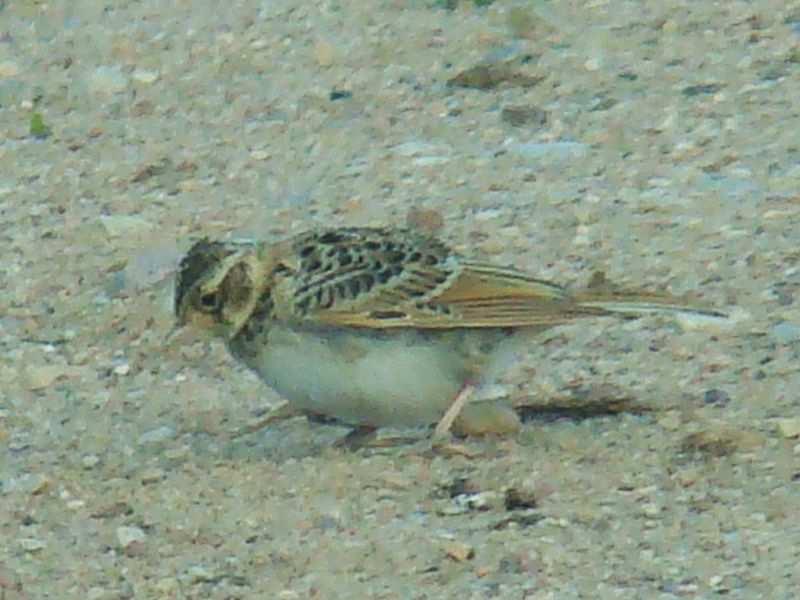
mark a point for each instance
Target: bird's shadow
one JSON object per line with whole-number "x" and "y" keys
{"x": 314, "y": 436}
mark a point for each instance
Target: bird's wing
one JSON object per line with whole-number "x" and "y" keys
{"x": 388, "y": 278}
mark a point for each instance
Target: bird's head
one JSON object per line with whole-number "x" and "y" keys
{"x": 217, "y": 286}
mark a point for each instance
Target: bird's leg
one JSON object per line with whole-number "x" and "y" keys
{"x": 446, "y": 422}
{"x": 358, "y": 437}
{"x": 281, "y": 412}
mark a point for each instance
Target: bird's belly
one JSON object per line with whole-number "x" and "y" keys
{"x": 400, "y": 378}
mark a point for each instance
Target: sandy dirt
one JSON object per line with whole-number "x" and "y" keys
{"x": 655, "y": 141}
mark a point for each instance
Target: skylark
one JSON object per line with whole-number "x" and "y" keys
{"x": 382, "y": 327}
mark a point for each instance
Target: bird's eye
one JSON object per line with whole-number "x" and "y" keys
{"x": 209, "y": 302}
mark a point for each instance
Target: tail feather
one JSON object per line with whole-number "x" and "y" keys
{"x": 600, "y": 294}
{"x": 635, "y": 308}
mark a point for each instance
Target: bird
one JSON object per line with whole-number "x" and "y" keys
{"x": 381, "y": 326}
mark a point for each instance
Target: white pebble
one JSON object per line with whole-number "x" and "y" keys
{"x": 32, "y": 544}
{"x": 129, "y": 535}
{"x": 156, "y": 436}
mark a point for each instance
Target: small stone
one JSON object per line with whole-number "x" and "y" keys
{"x": 701, "y": 89}
{"x": 115, "y": 509}
{"x": 201, "y": 574}
{"x": 142, "y": 108}
{"x": 424, "y": 219}
{"x": 414, "y": 148}
{"x": 551, "y": 150}
{"x": 785, "y": 333}
{"x": 144, "y": 76}
{"x": 459, "y": 551}
{"x": 721, "y": 441}
{"x": 157, "y": 436}
{"x": 32, "y": 545}
{"x": 338, "y": 94}
{"x": 107, "y": 81}
{"x": 430, "y": 161}
{"x": 324, "y": 53}
{"x": 671, "y": 420}
{"x": 260, "y": 154}
{"x": 651, "y": 510}
{"x": 122, "y": 369}
{"x": 487, "y": 77}
{"x": 125, "y": 225}
{"x": 531, "y": 116}
{"x": 90, "y": 461}
{"x": 520, "y": 499}
{"x": 8, "y": 69}
{"x": 716, "y": 397}
{"x": 153, "y": 475}
{"x": 97, "y": 593}
{"x": 711, "y": 323}
{"x": 480, "y": 501}
{"x": 39, "y": 377}
{"x": 789, "y": 427}
{"x": 168, "y": 587}
{"x": 593, "y": 64}
{"x": 126, "y": 536}
{"x": 34, "y": 484}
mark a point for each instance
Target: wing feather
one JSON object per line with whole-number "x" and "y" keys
{"x": 390, "y": 278}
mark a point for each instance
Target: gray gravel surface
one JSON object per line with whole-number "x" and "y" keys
{"x": 655, "y": 141}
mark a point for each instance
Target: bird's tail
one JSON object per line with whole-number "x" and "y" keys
{"x": 602, "y": 296}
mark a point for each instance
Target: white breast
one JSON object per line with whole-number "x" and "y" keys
{"x": 400, "y": 378}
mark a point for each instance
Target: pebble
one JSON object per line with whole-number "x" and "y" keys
{"x": 97, "y": 593}
{"x": 709, "y": 323}
{"x": 785, "y": 333}
{"x": 122, "y": 369}
{"x": 671, "y": 420}
{"x": 32, "y": 544}
{"x": 168, "y": 587}
{"x": 156, "y": 436}
{"x": 146, "y": 77}
{"x": 416, "y": 148}
{"x": 324, "y": 53}
{"x": 478, "y": 502}
{"x": 429, "y": 161}
{"x": 518, "y": 116}
{"x": 553, "y": 150}
{"x": 8, "y": 69}
{"x": 716, "y": 397}
{"x": 459, "y": 551}
{"x": 789, "y": 427}
{"x": 33, "y": 484}
{"x": 425, "y": 219}
{"x": 260, "y": 154}
{"x": 90, "y": 461}
{"x": 107, "y": 81}
{"x": 125, "y": 225}
{"x": 201, "y": 574}
{"x": 153, "y": 475}
{"x": 129, "y": 535}
{"x": 38, "y": 377}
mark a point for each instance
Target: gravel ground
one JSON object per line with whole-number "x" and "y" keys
{"x": 656, "y": 141}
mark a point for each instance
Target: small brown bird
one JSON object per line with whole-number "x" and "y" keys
{"x": 381, "y": 327}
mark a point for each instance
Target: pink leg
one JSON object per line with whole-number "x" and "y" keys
{"x": 446, "y": 422}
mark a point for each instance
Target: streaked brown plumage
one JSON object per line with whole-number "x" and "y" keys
{"x": 380, "y": 326}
